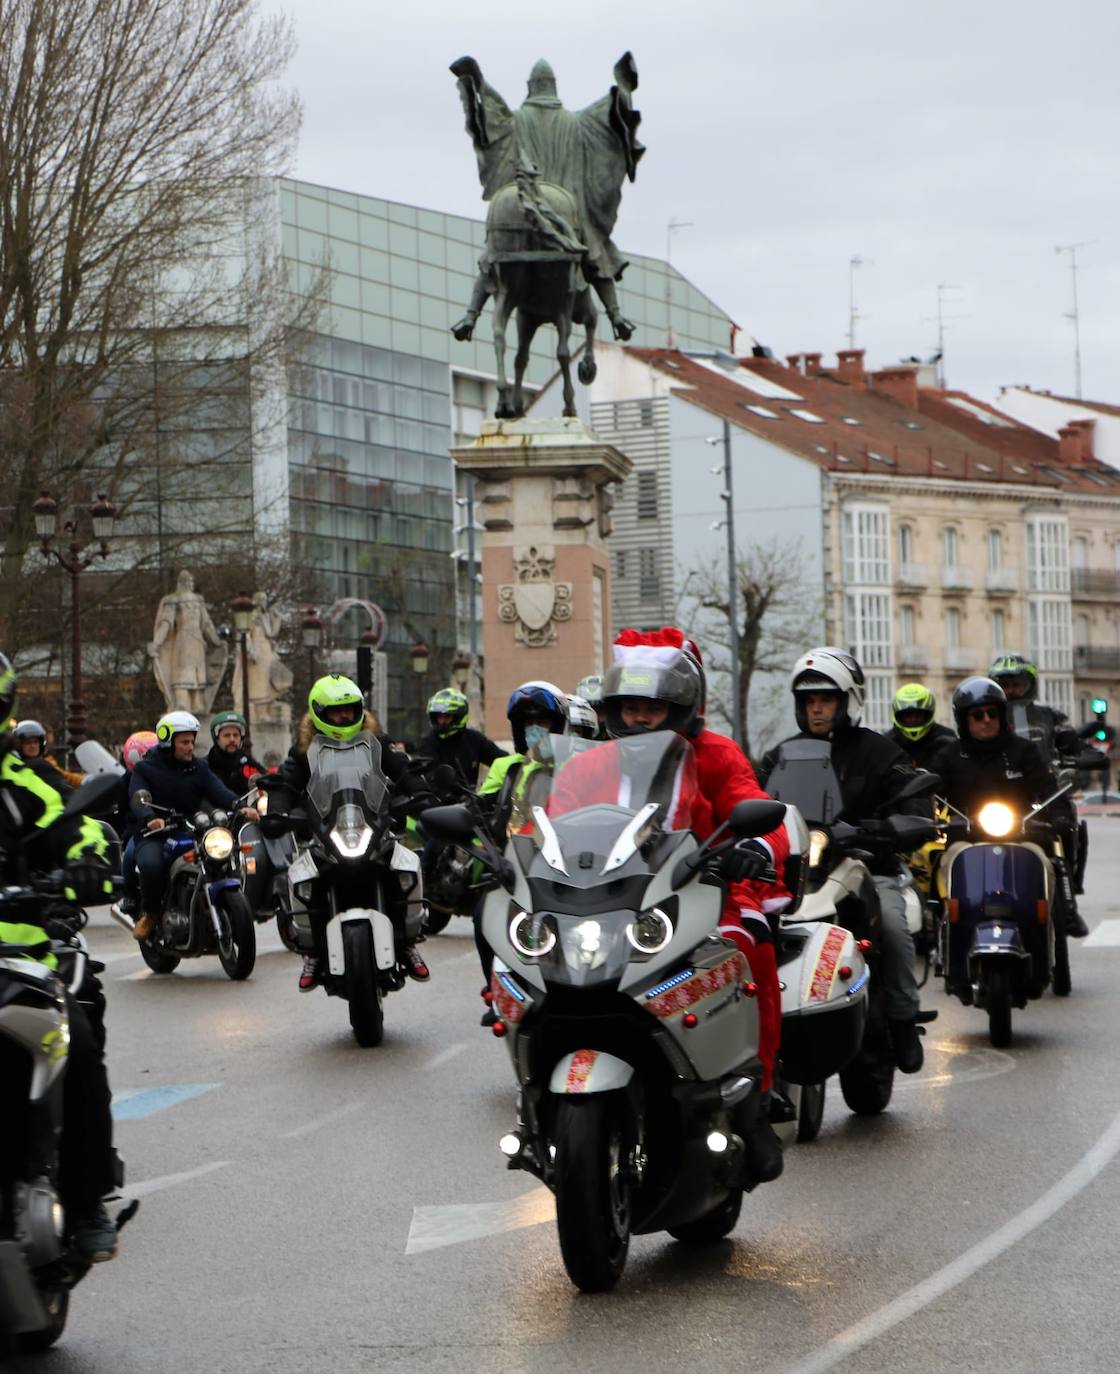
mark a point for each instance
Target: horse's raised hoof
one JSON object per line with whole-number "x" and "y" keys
{"x": 465, "y": 328}
{"x": 622, "y": 327}
{"x": 588, "y": 370}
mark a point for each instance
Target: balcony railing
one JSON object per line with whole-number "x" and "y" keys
{"x": 1002, "y": 580}
{"x": 911, "y": 575}
{"x": 1088, "y": 659}
{"x": 954, "y": 578}
{"x": 913, "y": 656}
{"x": 1094, "y": 582}
{"x": 961, "y": 660}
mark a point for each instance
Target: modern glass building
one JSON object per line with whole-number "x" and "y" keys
{"x": 387, "y": 389}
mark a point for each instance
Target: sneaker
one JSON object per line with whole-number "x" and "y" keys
{"x": 907, "y": 1043}
{"x": 95, "y": 1236}
{"x": 143, "y": 928}
{"x": 489, "y": 1017}
{"x": 763, "y": 1162}
{"x": 414, "y": 964}
{"x": 309, "y": 974}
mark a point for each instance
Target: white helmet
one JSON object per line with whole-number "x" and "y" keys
{"x": 582, "y": 719}
{"x": 828, "y": 669}
{"x": 175, "y": 723}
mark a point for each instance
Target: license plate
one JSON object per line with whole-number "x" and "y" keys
{"x": 302, "y": 869}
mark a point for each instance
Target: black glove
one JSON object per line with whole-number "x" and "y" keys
{"x": 749, "y": 859}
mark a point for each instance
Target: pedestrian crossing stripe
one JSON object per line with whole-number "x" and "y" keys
{"x": 136, "y": 1103}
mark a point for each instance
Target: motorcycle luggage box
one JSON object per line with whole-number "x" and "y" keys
{"x": 824, "y": 999}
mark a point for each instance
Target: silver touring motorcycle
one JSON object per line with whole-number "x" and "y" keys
{"x": 631, "y": 1023}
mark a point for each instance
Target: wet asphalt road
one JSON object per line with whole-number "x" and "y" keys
{"x": 283, "y": 1171}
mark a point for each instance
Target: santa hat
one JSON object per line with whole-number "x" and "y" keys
{"x": 658, "y": 646}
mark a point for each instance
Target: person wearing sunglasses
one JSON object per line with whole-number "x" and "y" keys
{"x": 989, "y": 762}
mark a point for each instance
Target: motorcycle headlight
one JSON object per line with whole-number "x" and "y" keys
{"x": 997, "y": 820}
{"x": 650, "y": 932}
{"x": 217, "y": 843}
{"x": 818, "y": 843}
{"x": 262, "y": 804}
{"x": 531, "y": 936}
{"x": 583, "y": 945}
{"x": 352, "y": 834}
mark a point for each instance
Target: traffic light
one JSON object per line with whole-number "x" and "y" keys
{"x": 1102, "y": 732}
{"x": 1100, "y": 706}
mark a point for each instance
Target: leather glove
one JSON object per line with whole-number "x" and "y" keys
{"x": 749, "y": 859}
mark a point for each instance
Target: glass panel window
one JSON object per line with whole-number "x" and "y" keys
{"x": 906, "y": 626}
{"x": 649, "y": 583}
{"x": 950, "y": 545}
{"x": 1047, "y": 554}
{"x": 952, "y": 628}
{"x": 866, "y": 545}
{"x": 867, "y": 627}
{"x": 995, "y": 550}
{"x": 1050, "y": 633}
{"x": 1081, "y": 631}
{"x": 647, "y": 495}
{"x": 1079, "y": 553}
{"x": 999, "y": 631}
{"x": 905, "y": 544}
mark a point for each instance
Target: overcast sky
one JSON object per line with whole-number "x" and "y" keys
{"x": 955, "y": 141}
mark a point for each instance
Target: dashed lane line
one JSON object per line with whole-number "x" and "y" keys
{"x": 137, "y": 1103}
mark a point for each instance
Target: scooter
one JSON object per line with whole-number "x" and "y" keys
{"x": 836, "y": 888}
{"x": 631, "y": 1023}
{"x": 1002, "y": 934}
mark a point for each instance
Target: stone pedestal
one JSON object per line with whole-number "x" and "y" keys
{"x": 543, "y": 495}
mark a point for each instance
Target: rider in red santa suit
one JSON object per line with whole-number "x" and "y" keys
{"x": 657, "y": 683}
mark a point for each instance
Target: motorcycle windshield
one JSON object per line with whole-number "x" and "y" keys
{"x": 338, "y": 767}
{"x": 804, "y": 777}
{"x": 625, "y": 775}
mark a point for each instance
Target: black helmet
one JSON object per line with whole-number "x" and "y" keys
{"x": 676, "y": 679}
{"x": 536, "y": 698}
{"x": 977, "y": 691}
{"x": 30, "y": 729}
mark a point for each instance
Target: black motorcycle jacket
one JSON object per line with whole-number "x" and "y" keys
{"x": 465, "y": 751}
{"x": 1045, "y": 726}
{"x": 1007, "y": 769}
{"x": 921, "y": 751}
{"x": 294, "y": 771}
{"x": 179, "y": 785}
{"x": 236, "y": 770}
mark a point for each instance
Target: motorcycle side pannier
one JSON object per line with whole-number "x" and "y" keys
{"x": 824, "y": 1002}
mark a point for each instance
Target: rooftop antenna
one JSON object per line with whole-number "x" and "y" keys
{"x": 853, "y": 312}
{"x": 1075, "y": 313}
{"x": 670, "y": 229}
{"x": 943, "y": 288}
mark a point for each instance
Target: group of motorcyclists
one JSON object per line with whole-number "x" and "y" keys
{"x": 1002, "y": 748}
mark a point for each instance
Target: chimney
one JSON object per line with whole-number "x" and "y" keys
{"x": 900, "y": 383}
{"x": 850, "y": 366}
{"x": 794, "y": 361}
{"x": 1069, "y": 443}
{"x": 812, "y": 363}
{"x": 1086, "y": 430}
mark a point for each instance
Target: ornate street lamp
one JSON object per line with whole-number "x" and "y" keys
{"x": 75, "y": 559}
{"x": 420, "y": 653}
{"x": 461, "y": 669}
{"x": 241, "y": 607}
{"x": 311, "y": 633}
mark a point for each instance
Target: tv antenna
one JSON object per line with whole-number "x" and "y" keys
{"x": 853, "y": 312}
{"x": 943, "y": 289}
{"x": 1075, "y": 313}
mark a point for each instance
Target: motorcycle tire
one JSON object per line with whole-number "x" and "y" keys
{"x": 437, "y": 921}
{"x": 237, "y": 945}
{"x": 1059, "y": 978}
{"x": 286, "y": 929}
{"x": 867, "y": 1083}
{"x": 593, "y": 1204}
{"x": 363, "y": 994}
{"x": 999, "y": 1008}
{"x": 810, "y": 1112}
{"x": 56, "y": 1301}
{"x": 713, "y": 1225}
{"x": 156, "y": 959}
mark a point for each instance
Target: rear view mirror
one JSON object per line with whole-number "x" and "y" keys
{"x": 912, "y": 831}
{"x": 140, "y": 799}
{"x": 444, "y": 778}
{"x": 451, "y": 824}
{"x": 920, "y": 785}
{"x": 749, "y": 819}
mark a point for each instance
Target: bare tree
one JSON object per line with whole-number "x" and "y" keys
{"x": 139, "y": 298}
{"x": 779, "y": 615}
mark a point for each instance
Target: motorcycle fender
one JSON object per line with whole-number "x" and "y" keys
{"x": 589, "y": 1071}
{"x": 997, "y": 937}
{"x": 384, "y": 951}
{"x": 213, "y": 897}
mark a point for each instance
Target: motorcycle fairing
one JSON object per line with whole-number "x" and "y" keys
{"x": 1018, "y": 878}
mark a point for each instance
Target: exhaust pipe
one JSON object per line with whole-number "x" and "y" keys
{"x": 122, "y": 918}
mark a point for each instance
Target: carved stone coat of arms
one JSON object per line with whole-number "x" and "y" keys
{"x": 534, "y": 602}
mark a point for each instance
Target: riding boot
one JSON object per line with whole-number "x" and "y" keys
{"x": 1075, "y": 922}
{"x": 907, "y": 1044}
{"x": 763, "y": 1161}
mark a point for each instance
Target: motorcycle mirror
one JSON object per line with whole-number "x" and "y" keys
{"x": 920, "y": 785}
{"x": 749, "y": 819}
{"x": 1092, "y": 761}
{"x": 141, "y": 799}
{"x": 911, "y": 830}
{"x": 451, "y": 824}
{"x": 444, "y": 778}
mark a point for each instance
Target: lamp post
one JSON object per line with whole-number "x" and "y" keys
{"x": 419, "y": 652}
{"x": 75, "y": 559}
{"x": 242, "y": 609}
{"x": 461, "y": 669}
{"x": 311, "y": 632}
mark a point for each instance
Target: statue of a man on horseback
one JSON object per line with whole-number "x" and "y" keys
{"x": 554, "y": 182}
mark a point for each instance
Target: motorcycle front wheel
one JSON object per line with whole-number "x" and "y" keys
{"x": 593, "y": 1204}
{"x": 237, "y": 942}
{"x": 56, "y": 1302}
{"x": 286, "y": 929}
{"x": 867, "y": 1082}
{"x": 1060, "y": 979}
{"x": 367, "y": 1014}
{"x": 999, "y": 1007}
{"x": 436, "y": 921}
{"x": 810, "y": 1111}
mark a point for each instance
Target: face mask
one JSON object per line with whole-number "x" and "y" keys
{"x": 538, "y": 738}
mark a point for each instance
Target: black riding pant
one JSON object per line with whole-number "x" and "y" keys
{"x": 87, "y": 1166}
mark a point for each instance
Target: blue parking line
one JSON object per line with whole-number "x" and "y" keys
{"x": 142, "y": 1102}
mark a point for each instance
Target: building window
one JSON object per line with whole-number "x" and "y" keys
{"x": 905, "y": 544}
{"x": 620, "y": 564}
{"x": 867, "y": 627}
{"x": 866, "y": 545}
{"x": 647, "y": 495}
{"x": 906, "y": 626}
{"x": 1047, "y": 554}
{"x": 649, "y": 583}
{"x": 999, "y": 632}
{"x": 1050, "y": 633}
{"x": 995, "y": 550}
{"x": 952, "y": 628}
{"x": 950, "y": 546}
{"x": 1081, "y": 631}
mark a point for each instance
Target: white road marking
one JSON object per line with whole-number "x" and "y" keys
{"x": 434, "y": 1227}
{"x": 877, "y": 1324}
{"x": 991, "y": 1064}
{"x": 133, "y": 977}
{"x": 1103, "y": 933}
{"x": 318, "y": 1122}
{"x": 116, "y": 958}
{"x": 156, "y": 1185}
{"x": 445, "y": 1055}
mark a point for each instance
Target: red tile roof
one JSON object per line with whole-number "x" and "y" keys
{"x": 863, "y": 429}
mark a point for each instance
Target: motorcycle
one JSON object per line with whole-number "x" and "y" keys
{"x": 204, "y": 910}
{"x": 454, "y": 877}
{"x": 838, "y": 890}
{"x": 264, "y": 866}
{"x": 631, "y": 1023}
{"x": 1002, "y": 935}
{"x": 349, "y": 861}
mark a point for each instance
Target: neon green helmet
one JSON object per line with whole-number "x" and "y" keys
{"x": 1013, "y": 671}
{"x": 913, "y": 696}
{"x": 448, "y": 702}
{"x": 331, "y": 693}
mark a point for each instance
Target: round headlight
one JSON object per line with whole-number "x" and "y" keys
{"x": 997, "y": 820}
{"x": 818, "y": 843}
{"x": 651, "y": 932}
{"x": 531, "y": 936}
{"x": 262, "y": 804}
{"x": 218, "y": 843}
